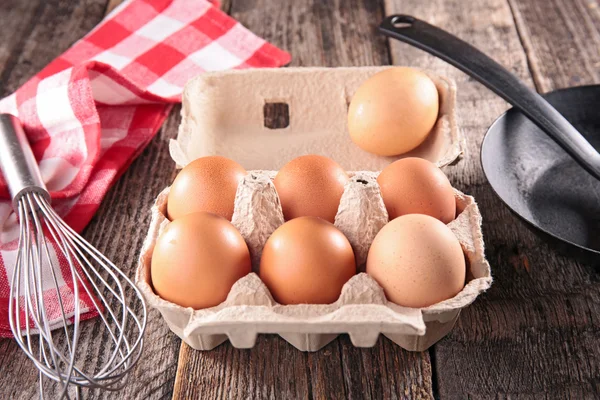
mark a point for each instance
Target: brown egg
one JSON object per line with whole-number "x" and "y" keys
{"x": 197, "y": 259}
{"x": 416, "y": 186}
{"x": 206, "y": 184}
{"x": 307, "y": 260}
{"x": 310, "y": 186}
{"x": 393, "y": 111}
{"x": 417, "y": 261}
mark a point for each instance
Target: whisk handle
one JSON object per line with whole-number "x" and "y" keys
{"x": 17, "y": 162}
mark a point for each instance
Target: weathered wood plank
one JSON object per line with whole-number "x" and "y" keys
{"x": 318, "y": 33}
{"x": 562, "y": 40}
{"x": 35, "y": 33}
{"x": 331, "y": 33}
{"x": 534, "y": 334}
{"x": 226, "y": 372}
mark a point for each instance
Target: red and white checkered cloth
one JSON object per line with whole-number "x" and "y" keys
{"x": 92, "y": 110}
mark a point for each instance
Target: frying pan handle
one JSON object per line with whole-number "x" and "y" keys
{"x": 496, "y": 78}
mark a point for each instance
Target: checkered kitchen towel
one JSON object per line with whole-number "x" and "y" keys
{"x": 92, "y": 110}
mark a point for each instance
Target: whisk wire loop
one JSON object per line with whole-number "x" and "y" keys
{"x": 58, "y": 275}
{"x": 91, "y": 273}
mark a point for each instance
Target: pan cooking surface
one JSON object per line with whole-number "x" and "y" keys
{"x": 538, "y": 180}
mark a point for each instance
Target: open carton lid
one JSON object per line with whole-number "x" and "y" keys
{"x": 223, "y": 114}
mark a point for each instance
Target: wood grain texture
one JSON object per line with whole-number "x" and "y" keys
{"x": 318, "y": 33}
{"x": 534, "y": 334}
{"x": 35, "y": 32}
{"x": 562, "y": 40}
{"x": 273, "y": 369}
{"x": 333, "y": 33}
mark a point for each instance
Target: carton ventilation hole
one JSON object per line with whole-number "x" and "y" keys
{"x": 276, "y": 115}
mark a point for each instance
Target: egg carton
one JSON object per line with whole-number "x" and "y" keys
{"x": 223, "y": 114}
{"x": 362, "y": 310}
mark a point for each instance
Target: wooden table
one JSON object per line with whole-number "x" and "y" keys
{"x": 535, "y": 334}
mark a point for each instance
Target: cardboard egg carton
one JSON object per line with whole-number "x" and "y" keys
{"x": 223, "y": 114}
{"x": 362, "y": 310}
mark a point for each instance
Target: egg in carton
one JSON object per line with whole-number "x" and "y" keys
{"x": 223, "y": 114}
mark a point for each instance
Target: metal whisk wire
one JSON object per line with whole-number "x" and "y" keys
{"x": 94, "y": 277}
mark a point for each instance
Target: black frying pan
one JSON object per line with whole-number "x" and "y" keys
{"x": 540, "y": 156}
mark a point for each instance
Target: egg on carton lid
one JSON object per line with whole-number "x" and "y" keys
{"x": 223, "y": 114}
{"x": 362, "y": 310}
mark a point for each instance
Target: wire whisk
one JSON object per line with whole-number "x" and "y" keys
{"x": 48, "y": 250}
